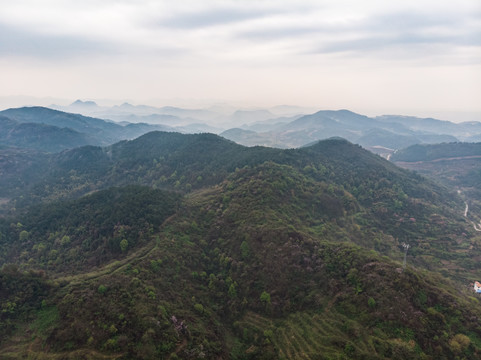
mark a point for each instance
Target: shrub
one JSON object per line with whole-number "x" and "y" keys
{"x": 244, "y": 250}
{"x": 199, "y": 308}
{"x": 371, "y": 302}
{"x": 24, "y": 234}
{"x": 459, "y": 342}
{"x": 124, "y": 244}
{"x": 265, "y": 297}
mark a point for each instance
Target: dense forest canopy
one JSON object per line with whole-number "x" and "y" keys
{"x": 192, "y": 246}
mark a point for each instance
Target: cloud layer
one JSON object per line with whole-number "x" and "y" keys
{"x": 246, "y": 37}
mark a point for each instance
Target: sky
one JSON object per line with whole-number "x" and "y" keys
{"x": 420, "y": 57}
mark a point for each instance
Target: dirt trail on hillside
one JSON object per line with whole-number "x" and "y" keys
{"x": 472, "y": 222}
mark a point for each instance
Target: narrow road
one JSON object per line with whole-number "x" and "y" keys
{"x": 476, "y": 227}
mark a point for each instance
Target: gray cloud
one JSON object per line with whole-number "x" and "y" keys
{"x": 406, "y": 30}
{"x": 406, "y": 21}
{"x": 378, "y": 42}
{"x": 300, "y": 28}
{"x": 19, "y": 42}
{"x": 403, "y": 31}
{"x": 212, "y": 17}
{"x": 24, "y": 43}
{"x": 293, "y": 49}
{"x": 280, "y": 33}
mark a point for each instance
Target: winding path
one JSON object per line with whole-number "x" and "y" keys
{"x": 472, "y": 222}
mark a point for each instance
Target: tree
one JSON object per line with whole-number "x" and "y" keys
{"x": 65, "y": 240}
{"x": 124, "y": 245}
{"x": 459, "y": 343}
{"x": 265, "y": 298}
{"x": 244, "y": 250}
{"x": 23, "y": 235}
{"x": 199, "y": 308}
{"x": 232, "y": 290}
{"x": 371, "y": 302}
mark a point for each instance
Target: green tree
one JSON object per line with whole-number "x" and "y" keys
{"x": 232, "y": 290}
{"x": 65, "y": 240}
{"x": 199, "y": 308}
{"x": 244, "y": 249}
{"x": 459, "y": 343}
{"x": 265, "y": 298}
{"x": 24, "y": 234}
{"x": 124, "y": 244}
{"x": 371, "y": 302}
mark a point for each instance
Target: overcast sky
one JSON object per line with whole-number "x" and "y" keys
{"x": 369, "y": 56}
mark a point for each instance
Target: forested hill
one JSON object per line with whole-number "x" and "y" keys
{"x": 50, "y": 130}
{"x": 186, "y": 162}
{"x": 43, "y": 115}
{"x": 191, "y": 246}
{"x": 39, "y": 136}
{"x": 427, "y": 152}
{"x": 457, "y": 165}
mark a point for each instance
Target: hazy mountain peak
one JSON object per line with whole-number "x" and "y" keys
{"x": 88, "y": 103}
{"x": 252, "y": 115}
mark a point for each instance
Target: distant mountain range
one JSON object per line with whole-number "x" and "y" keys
{"x": 291, "y": 126}
{"x": 380, "y": 134}
{"x": 222, "y": 117}
{"x": 53, "y": 130}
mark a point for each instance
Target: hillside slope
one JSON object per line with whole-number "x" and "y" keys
{"x": 39, "y": 136}
{"x": 267, "y": 254}
{"x": 456, "y": 165}
{"x": 401, "y": 203}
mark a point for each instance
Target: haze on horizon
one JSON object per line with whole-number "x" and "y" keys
{"x": 409, "y": 57}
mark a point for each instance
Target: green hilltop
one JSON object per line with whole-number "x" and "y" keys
{"x": 49, "y": 130}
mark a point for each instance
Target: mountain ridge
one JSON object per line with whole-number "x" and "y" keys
{"x": 367, "y": 131}
{"x": 263, "y": 127}
{"x": 82, "y": 130}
